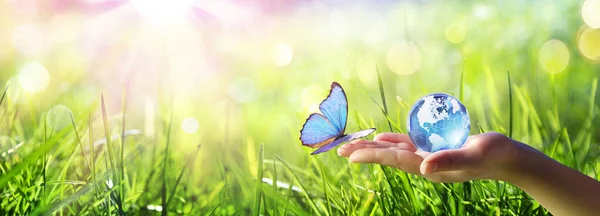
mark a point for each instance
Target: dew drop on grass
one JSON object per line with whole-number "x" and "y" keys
{"x": 7, "y": 146}
{"x": 59, "y": 117}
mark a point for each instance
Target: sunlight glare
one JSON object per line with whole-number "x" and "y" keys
{"x": 282, "y": 55}
{"x": 162, "y": 11}
{"x": 33, "y": 77}
{"x": 27, "y": 39}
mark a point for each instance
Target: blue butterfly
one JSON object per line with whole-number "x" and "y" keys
{"x": 325, "y": 131}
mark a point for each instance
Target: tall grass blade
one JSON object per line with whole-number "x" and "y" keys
{"x": 163, "y": 191}
{"x": 327, "y": 197}
{"x": 181, "y": 175}
{"x": 76, "y": 129}
{"x": 92, "y": 155}
{"x": 109, "y": 146}
{"x": 304, "y": 191}
{"x": 122, "y": 151}
{"x": 382, "y": 93}
{"x": 4, "y": 94}
{"x": 461, "y": 94}
{"x": 259, "y": 177}
{"x": 510, "y": 106}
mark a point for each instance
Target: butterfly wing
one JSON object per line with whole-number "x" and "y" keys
{"x": 345, "y": 138}
{"x": 318, "y": 131}
{"x": 335, "y": 107}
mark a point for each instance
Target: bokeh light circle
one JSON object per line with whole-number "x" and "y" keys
{"x": 590, "y": 12}
{"x": 456, "y": 32}
{"x": 59, "y": 117}
{"x": 554, "y": 56}
{"x": 366, "y": 70}
{"x": 404, "y": 57}
{"x": 589, "y": 43}
{"x": 34, "y": 77}
{"x": 190, "y": 125}
{"x": 243, "y": 90}
{"x": 282, "y": 55}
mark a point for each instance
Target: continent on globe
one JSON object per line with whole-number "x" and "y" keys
{"x": 437, "y": 122}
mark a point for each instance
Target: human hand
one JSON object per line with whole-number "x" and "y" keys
{"x": 484, "y": 156}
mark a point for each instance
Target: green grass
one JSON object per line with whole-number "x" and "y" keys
{"x": 326, "y": 185}
{"x": 246, "y": 159}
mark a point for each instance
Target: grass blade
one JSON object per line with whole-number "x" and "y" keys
{"x": 327, "y": 197}
{"x": 312, "y": 204}
{"x": 79, "y": 139}
{"x": 510, "y": 106}
{"x": 461, "y": 94}
{"x": 4, "y": 94}
{"x": 259, "y": 177}
{"x": 181, "y": 175}
{"x": 165, "y": 162}
{"x": 382, "y": 93}
{"x": 109, "y": 146}
{"x": 122, "y": 151}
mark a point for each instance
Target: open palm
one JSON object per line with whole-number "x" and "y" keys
{"x": 484, "y": 156}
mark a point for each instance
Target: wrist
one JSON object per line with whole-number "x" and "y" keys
{"x": 524, "y": 163}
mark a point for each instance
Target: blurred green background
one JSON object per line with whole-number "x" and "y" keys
{"x": 234, "y": 75}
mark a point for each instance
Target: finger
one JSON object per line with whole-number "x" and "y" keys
{"x": 347, "y": 149}
{"x": 451, "y": 160}
{"x": 392, "y": 137}
{"x": 406, "y": 161}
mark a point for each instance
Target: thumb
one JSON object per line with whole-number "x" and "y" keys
{"x": 450, "y": 160}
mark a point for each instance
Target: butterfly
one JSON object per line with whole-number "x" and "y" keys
{"x": 325, "y": 131}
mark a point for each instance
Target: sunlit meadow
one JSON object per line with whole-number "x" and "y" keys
{"x": 194, "y": 107}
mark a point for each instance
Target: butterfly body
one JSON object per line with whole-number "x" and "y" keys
{"x": 327, "y": 130}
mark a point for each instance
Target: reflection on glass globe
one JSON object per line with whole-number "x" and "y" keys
{"x": 438, "y": 122}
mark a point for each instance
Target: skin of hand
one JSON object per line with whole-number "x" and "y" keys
{"x": 484, "y": 156}
{"x": 560, "y": 189}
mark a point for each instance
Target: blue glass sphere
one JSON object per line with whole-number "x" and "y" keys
{"x": 437, "y": 122}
